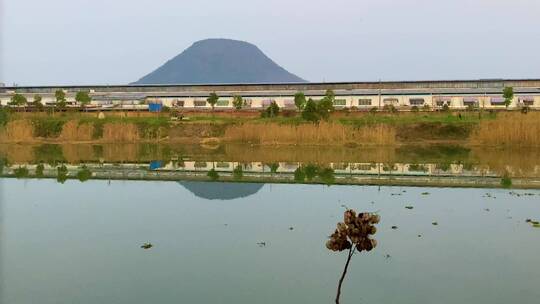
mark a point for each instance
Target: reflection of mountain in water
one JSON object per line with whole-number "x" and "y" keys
{"x": 221, "y": 191}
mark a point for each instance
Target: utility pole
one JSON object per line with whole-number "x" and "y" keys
{"x": 379, "y": 93}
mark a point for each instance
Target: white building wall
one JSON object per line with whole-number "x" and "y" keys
{"x": 257, "y": 102}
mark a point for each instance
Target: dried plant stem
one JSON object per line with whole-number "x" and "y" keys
{"x": 349, "y": 256}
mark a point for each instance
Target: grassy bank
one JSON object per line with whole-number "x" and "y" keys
{"x": 325, "y": 133}
{"x": 487, "y": 129}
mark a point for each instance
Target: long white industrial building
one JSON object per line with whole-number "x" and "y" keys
{"x": 457, "y": 94}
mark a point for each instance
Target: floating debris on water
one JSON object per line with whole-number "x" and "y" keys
{"x": 291, "y": 228}
{"x": 532, "y": 222}
{"x": 409, "y": 207}
{"x": 486, "y": 209}
{"x": 394, "y": 227}
{"x": 425, "y": 193}
{"x": 521, "y": 194}
{"x": 392, "y": 194}
{"x": 419, "y": 235}
{"x": 261, "y": 244}
{"x": 435, "y": 223}
{"x": 146, "y": 246}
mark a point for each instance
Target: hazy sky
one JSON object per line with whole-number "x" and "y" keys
{"x": 118, "y": 41}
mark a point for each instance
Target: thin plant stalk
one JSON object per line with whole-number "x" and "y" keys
{"x": 349, "y": 256}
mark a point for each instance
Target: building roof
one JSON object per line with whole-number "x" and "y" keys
{"x": 480, "y": 86}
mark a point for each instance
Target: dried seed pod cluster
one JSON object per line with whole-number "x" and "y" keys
{"x": 355, "y": 230}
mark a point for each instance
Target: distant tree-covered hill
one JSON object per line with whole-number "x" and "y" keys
{"x": 220, "y": 61}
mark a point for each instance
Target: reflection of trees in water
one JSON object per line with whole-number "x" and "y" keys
{"x": 62, "y": 174}
{"x": 238, "y": 172}
{"x": 50, "y": 154}
{"x": 3, "y": 162}
{"x": 213, "y": 174}
{"x": 273, "y": 167}
{"x": 309, "y": 172}
{"x": 353, "y": 234}
{"x": 445, "y": 158}
{"x": 515, "y": 162}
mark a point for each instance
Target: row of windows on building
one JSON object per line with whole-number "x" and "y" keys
{"x": 439, "y": 101}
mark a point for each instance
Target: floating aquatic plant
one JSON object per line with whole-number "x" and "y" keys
{"x": 535, "y": 224}
{"x": 146, "y": 246}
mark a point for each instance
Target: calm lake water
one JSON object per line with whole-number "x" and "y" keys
{"x": 81, "y": 243}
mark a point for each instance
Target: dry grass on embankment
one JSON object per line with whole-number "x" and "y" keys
{"x": 503, "y": 129}
{"x": 28, "y": 131}
{"x": 310, "y": 134}
{"x": 509, "y": 129}
{"x": 17, "y": 131}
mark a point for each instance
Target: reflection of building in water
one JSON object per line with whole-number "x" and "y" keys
{"x": 221, "y": 191}
{"x": 339, "y": 168}
{"x": 445, "y": 174}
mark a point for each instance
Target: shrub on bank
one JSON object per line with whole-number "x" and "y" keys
{"x": 49, "y": 127}
{"x": 310, "y": 111}
{"x": 389, "y": 108}
{"x": 4, "y": 116}
{"x": 271, "y": 111}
